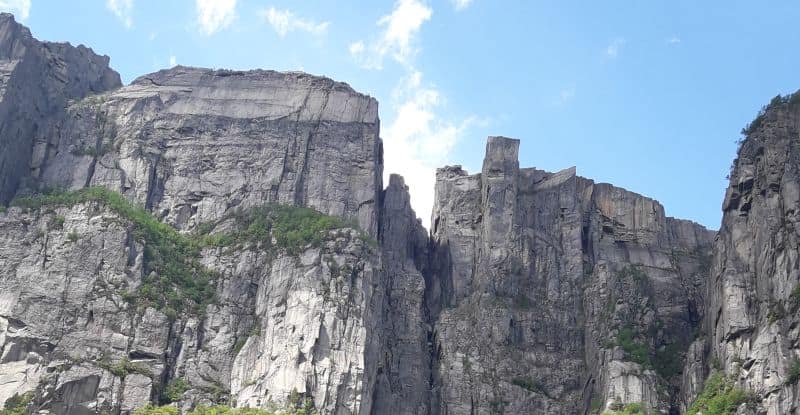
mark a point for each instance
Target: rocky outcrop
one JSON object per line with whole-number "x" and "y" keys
{"x": 753, "y": 291}
{"x": 192, "y": 144}
{"x": 405, "y": 360}
{"x": 552, "y": 291}
{"x": 37, "y": 79}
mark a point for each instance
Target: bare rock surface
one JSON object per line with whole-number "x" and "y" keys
{"x": 533, "y": 293}
{"x": 37, "y": 79}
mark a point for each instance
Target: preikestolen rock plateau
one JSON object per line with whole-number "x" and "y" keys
{"x": 212, "y": 238}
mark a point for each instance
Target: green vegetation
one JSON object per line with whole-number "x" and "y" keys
{"x": 632, "y": 272}
{"x": 175, "y": 281}
{"x": 627, "y": 409}
{"x": 124, "y": 367}
{"x": 466, "y": 363}
{"x": 793, "y": 375}
{"x": 292, "y": 228}
{"x": 667, "y": 361}
{"x": 719, "y": 397}
{"x": 776, "y": 311}
{"x": 635, "y": 350}
{"x": 523, "y": 302}
{"x": 175, "y": 389}
{"x": 239, "y": 345}
{"x": 779, "y": 100}
{"x": 157, "y": 410}
{"x": 72, "y": 236}
{"x": 57, "y": 222}
{"x": 17, "y": 404}
{"x": 92, "y": 151}
{"x": 596, "y": 405}
{"x": 307, "y": 409}
{"x": 529, "y": 384}
{"x": 794, "y": 299}
{"x": 174, "y": 278}
{"x": 2, "y": 208}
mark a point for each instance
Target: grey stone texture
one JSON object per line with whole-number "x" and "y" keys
{"x": 532, "y": 293}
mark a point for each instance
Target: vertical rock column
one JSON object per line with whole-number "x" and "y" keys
{"x": 499, "y": 187}
{"x": 405, "y": 364}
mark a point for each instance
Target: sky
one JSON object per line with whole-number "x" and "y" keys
{"x": 647, "y": 95}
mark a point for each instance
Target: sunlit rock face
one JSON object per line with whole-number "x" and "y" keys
{"x": 225, "y": 237}
{"x": 542, "y": 282}
{"x": 753, "y": 298}
{"x": 192, "y": 144}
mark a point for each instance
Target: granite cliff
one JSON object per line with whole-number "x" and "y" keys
{"x": 213, "y": 237}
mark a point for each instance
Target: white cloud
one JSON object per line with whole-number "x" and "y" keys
{"x": 460, "y": 4}
{"x": 21, "y": 9}
{"x": 357, "y": 48}
{"x": 419, "y": 140}
{"x": 398, "y": 37}
{"x": 284, "y": 21}
{"x": 123, "y": 10}
{"x": 419, "y": 136}
{"x": 674, "y": 40}
{"x": 613, "y": 49}
{"x": 215, "y": 15}
{"x": 173, "y": 61}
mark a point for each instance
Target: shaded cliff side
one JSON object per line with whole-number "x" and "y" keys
{"x": 36, "y": 81}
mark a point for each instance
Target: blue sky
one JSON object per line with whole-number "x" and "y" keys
{"x": 647, "y": 95}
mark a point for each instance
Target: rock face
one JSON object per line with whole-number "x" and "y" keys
{"x": 36, "y": 81}
{"x": 533, "y": 293}
{"x": 544, "y": 283}
{"x": 192, "y": 144}
{"x": 751, "y": 323}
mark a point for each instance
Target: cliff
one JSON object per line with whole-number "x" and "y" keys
{"x": 36, "y": 81}
{"x": 214, "y": 237}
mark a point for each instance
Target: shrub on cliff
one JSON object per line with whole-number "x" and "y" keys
{"x": 174, "y": 278}
{"x": 719, "y": 397}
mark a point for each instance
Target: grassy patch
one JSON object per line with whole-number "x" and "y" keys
{"x": 628, "y": 409}
{"x": 793, "y": 375}
{"x": 124, "y": 367}
{"x": 92, "y": 151}
{"x": 719, "y": 397}
{"x": 17, "y": 404}
{"x": 73, "y": 237}
{"x": 635, "y": 350}
{"x": 794, "y": 299}
{"x": 667, "y": 362}
{"x": 174, "y": 278}
{"x": 157, "y": 410}
{"x": 306, "y": 409}
{"x": 529, "y": 384}
{"x": 288, "y": 228}
{"x": 175, "y": 390}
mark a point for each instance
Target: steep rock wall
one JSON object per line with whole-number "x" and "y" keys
{"x": 191, "y": 144}
{"x": 37, "y": 79}
{"x": 751, "y": 323}
{"x": 536, "y": 276}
